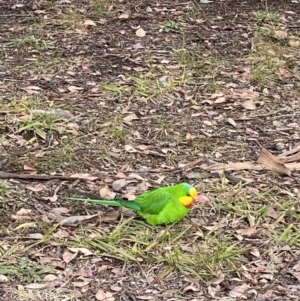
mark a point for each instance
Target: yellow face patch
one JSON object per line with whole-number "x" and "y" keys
{"x": 186, "y": 201}
{"x": 193, "y": 193}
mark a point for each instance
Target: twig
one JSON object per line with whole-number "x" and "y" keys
{"x": 255, "y": 116}
{"x": 290, "y": 152}
{"x": 11, "y": 175}
{"x": 244, "y": 166}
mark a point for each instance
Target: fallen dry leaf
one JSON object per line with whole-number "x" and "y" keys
{"x": 247, "y": 232}
{"x": 220, "y": 100}
{"x": 35, "y": 235}
{"x": 138, "y": 46}
{"x": 88, "y": 23}
{"x": 249, "y": 104}
{"x": 123, "y": 16}
{"x": 127, "y": 119}
{"x": 238, "y": 291}
{"x": 231, "y": 121}
{"x": 280, "y": 34}
{"x": 140, "y": 32}
{"x": 77, "y": 220}
{"x": 74, "y": 89}
{"x": 201, "y": 198}
{"x": 80, "y": 283}
{"x": 69, "y": 256}
{"x": 36, "y": 188}
{"x": 110, "y": 216}
{"x": 102, "y": 295}
{"x": 3, "y": 278}
{"x": 255, "y": 252}
{"x": 36, "y": 286}
{"x": 50, "y": 277}
{"x": 271, "y": 162}
{"x": 106, "y": 193}
{"x": 218, "y": 280}
{"x": 84, "y": 251}
{"x": 244, "y": 165}
{"x": 85, "y": 176}
{"x": 293, "y": 158}
{"x": 272, "y": 213}
{"x": 119, "y": 184}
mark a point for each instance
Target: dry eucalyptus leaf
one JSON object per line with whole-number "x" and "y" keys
{"x": 255, "y": 252}
{"x": 50, "y": 277}
{"x": 36, "y": 286}
{"x": 238, "y": 291}
{"x": 280, "y": 34}
{"x": 106, "y": 193}
{"x": 89, "y": 23}
{"x": 3, "y": 278}
{"x": 130, "y": 149}
{"x": 84, "y": 251}
{"x": 69, "y": 256}
{"x": 220, "y": 100}
{"x": 74, "y": 88}
{"x": 127, "y": 119}
{"x": 271, "y": 162}
{"x": 84, "y": 176}
{"x": 111, "y": 216}
{"x": 23, "y": 211}
{"x": 140, "y": 32}
{"x": 102, "y": 295}
{"x": 76, "y": 220}
{"x": 119, "y": 184}
{"x": 231, "y": 121}
{"x": 247, "y": 232}
{"x": 35, "y": 235}
{"x": 116, "y": 288}
{"x": 123, "y": 16}
{"x": 81, "y": 284}
{"x": 249, "y": 104}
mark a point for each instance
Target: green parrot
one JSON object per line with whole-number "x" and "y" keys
{"x": 160, "y": 206}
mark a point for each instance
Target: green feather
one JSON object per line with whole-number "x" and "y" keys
{"x": 115, "y": 203}
{"x": 159, "y": 206}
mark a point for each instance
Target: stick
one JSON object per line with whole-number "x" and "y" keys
{"x": 11, "y": 175}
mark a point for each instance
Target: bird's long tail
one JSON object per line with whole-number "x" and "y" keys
{"x": 115, "y": 203}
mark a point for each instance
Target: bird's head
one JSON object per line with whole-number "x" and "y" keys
{"x": 190, "y": 195}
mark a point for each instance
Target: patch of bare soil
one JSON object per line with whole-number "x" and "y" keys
{"x": 110, "y": 99}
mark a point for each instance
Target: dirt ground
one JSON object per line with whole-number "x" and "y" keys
{"x": 109, "y": 99}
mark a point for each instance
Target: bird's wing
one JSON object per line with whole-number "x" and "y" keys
{"x": 154, "y": 202}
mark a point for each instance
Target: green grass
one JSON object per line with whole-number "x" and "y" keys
{"x": 170, "y": 26}
{"x": 210, "y": 240}
{"x": 198, "y": 250}
{"x": 4, "y": 187}
{"x": 46, "y": 294}
{"x": 205, "y": 69}
{"x": 103, "y": 8}
{"x": 267, "y": 17}
{"x": 31, "y": 43}
{"x": 269, "y": 50}
{"x": 120, "y": 91}
{"x": 26, "y": 269}
{"x": 71, "y": 19}
{"x": 33, "y": 118}
{"x": 5, "y": 193}
{"x": 146, "y": 88}
{"x": 133, "y": 240}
